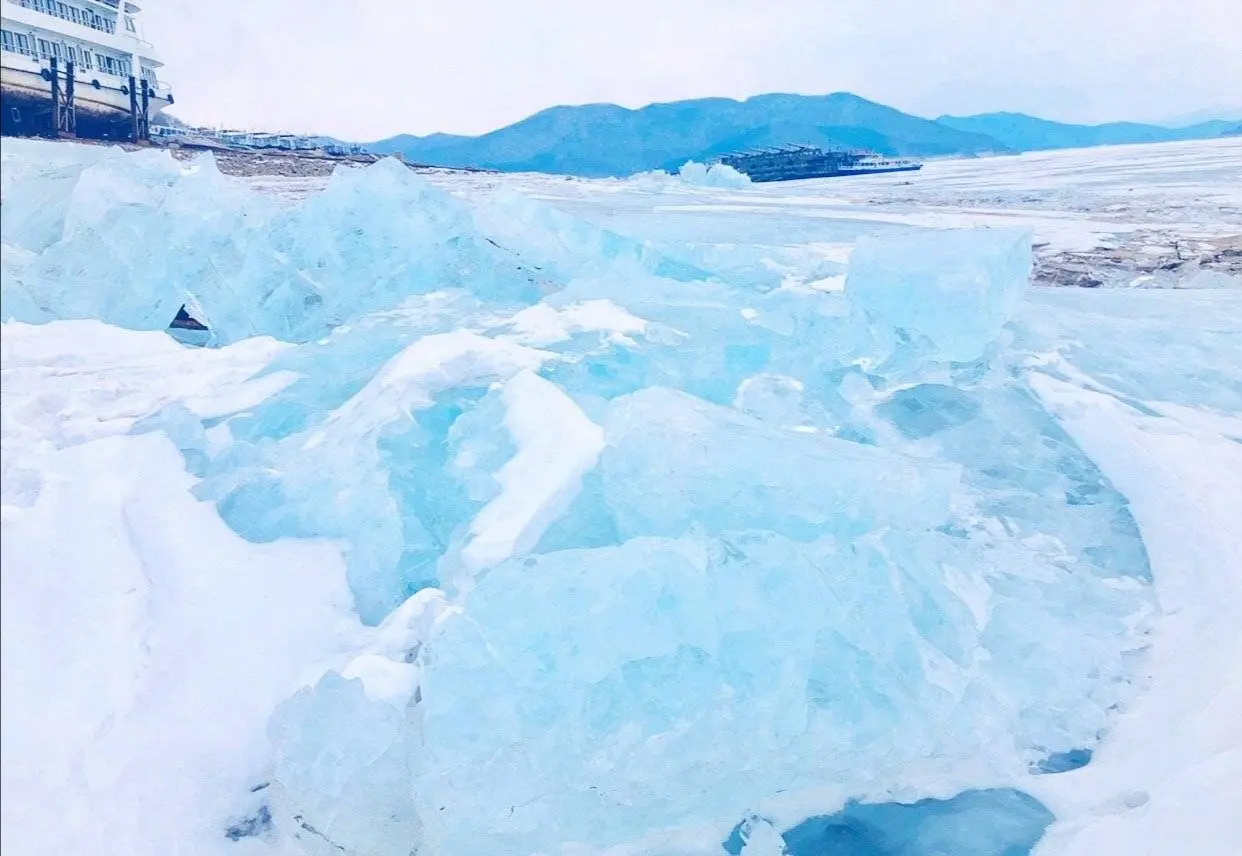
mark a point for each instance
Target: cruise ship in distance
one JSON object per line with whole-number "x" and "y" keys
{"x": 792, "y": 163}
{"x": 102, "y": 42}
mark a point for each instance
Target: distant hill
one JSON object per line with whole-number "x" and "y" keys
{"x": 1024, "y": 133}
{"x": 409, "y": 142}
{"x": 599, "y": 140}
{"x": 1209, "y": 129}
{"x": 1229, "y": 113}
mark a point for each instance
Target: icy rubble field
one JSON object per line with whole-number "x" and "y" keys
{"x": 1167, "y": 215}
{"x": 1138, "y": 216}
{"x": 554, "y": 517}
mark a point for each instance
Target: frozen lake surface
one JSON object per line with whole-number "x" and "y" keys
{"x": 528, "y": 515}
{"x": 1142, "y": 215}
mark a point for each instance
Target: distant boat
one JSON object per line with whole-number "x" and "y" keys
{"x": 114, "y": 71}
{"x": 796, "y": 162}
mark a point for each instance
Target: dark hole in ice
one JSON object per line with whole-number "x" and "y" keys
{"x": 998, "y": 822}
{"x": 1062, "y": 762}
{"x": 258, "y": 824}
{"x": 183, "y": 320}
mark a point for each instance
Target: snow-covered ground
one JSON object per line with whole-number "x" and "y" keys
{"x": 621, "y": 517}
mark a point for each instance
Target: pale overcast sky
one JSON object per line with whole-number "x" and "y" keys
{"x": 365, "y": 69}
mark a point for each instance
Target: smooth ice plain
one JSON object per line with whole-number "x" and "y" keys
{"x": 660, "y": 517}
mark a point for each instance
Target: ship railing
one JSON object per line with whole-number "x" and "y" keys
{"x": 66, "y": 12}
{"x": 23, "y": 51}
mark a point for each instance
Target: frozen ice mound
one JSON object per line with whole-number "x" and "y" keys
{"x": 376, "y": 471}
{"x": 672, "y": 680}
{"x": 562, "y": 247}
{"x": 692, "y": 174}
{"x": 741, "y": 601}
{"x": 712, "y": 175}
{"x": 373, "y": 238}
{"x": 362, "y": 802}
{"x": 636, "y": 546}
{"x": 953, "y": 290}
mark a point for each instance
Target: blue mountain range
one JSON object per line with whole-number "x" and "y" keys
{"x": 602, "y": 140}
{"x": 1025, "y": 133}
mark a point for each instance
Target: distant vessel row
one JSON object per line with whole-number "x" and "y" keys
{"x": 795, "y": 162}
{"x": 77, "y": 68}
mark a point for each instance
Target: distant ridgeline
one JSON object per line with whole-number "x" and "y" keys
{"x": 602, "y": 140}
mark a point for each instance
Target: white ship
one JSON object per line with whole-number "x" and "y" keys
{"x": 88, "y": 55}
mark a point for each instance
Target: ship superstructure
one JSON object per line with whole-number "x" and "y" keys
{"x": 796, "y": 162}
{"x": 77, "y": 68}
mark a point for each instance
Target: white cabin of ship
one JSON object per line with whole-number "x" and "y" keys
{"x": 103, "y": 40}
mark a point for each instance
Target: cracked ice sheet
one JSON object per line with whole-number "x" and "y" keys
{"x": 1166, "y": 779}
{"x": 1062, "y": 232}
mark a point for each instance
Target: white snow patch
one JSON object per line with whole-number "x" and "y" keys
{"x": 557, "y": 445}
{"x": 542, "y": 324}
{"x": 74, "y": 381}
{"x": 145, "y": 645}
{"x": 410, "y": 380}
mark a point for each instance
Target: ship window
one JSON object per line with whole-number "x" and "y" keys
{"x": 129, "y": 24}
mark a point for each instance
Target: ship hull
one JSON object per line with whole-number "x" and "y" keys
{"x": 101, "y": 111}
{"x": 837, "y": 173}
